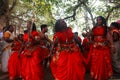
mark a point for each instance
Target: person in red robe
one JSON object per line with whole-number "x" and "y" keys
{"x": 32, "y": 55}
{"x": 14, "y": 64}
{"x": 67, "y": 62}
{"x": 99, "y": 55}
{"x": 86, "y": 44}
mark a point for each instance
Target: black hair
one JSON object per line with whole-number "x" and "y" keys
{"x": 115, "y": 33}
{"x": 103, "y": 21}
{"x": 84, "y": 34}
{"x": 43, "y": 26}
{"x": 25, "y": 31}
{"x": 59, "y": 26}
{"x": 33, "y": 27}
{"x": 20, "y": 35}
{"x": 76, "y": 33}
{"x": 8, "y": 27}
{"x": 115, "y": 24}
{"x": 4, "y": 29}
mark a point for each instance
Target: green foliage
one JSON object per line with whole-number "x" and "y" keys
{"x": 28, "y": 9}
{"x": 47, "y": 11}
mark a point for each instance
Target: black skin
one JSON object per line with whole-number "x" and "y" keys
{"x": 115, "y": 36}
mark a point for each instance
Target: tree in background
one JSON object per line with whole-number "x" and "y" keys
{"x": 80, "y": 13}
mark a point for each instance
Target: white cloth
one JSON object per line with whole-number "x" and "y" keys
{"x": 6, "y": 54}
{"x": 1, "y": 35}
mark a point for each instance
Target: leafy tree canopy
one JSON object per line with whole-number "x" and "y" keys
{"x": 78, "y": 13}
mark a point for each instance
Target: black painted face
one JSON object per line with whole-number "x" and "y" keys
{"x": 45, "y": 29}
{"x": 11, "y": 28}
{"x": 99, "y": 21}
{"x": 63, "y": 23}
{"x": 20, "y": 37}
{"x": 115, "y": 36}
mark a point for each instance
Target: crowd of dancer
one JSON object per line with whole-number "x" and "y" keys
{"x": 69, "y": 57}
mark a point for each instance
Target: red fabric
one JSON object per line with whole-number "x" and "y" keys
{"x": 101, "y": 67}
{"x": 14, "y": 64}
{"x": 98, "y": 31}
{"x": 25, "y": 37}
{"x": 31, "y": 65}
{"x": 100, "y": 61}
{"x": 64, "y": 36}
{"x": 33, "y": 34}
{"x": 67, "y": 64}
{"x": 16, "y": 45}
{"x": 86, "y": 46}
{"x": 99, "y": 39}
{"x": 86, "y": 43}
{"x": 32, "y": 60}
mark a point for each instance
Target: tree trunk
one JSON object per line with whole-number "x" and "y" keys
{"x": 3, "y": 21}
{"x": 5, "y": 12}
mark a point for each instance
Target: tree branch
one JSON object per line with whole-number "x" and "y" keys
{"x": 89, "y": 11}
{"x": 13, "y": 17}
{"x": 74, "y": 12}
{"x": 13, "y": 5}
{"x": 21, "y": 14}
{"x": 81, "y": 2}
{"x": 111, "y": 10}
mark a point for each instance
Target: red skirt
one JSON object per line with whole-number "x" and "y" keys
{"x": 14, "y": 65}
{"x": 101, "y": 67}
{"x": 68, "y": 66}
{"x": 32, "y": 64}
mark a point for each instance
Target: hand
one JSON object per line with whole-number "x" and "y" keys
{"x": 37, "y": 38}
{"x": 28, "y": 53}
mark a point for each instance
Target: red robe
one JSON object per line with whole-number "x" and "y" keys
{"x": 99, "y": 56}
{"x": 32, "y": 60}
{"x": 14, "y": 64}
{"x": 86, "y": 45}
{"x": 67, "y": 62}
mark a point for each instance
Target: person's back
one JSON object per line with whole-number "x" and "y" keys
{"x": 67, "y": 61}
{"x": 65, "y": 36}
